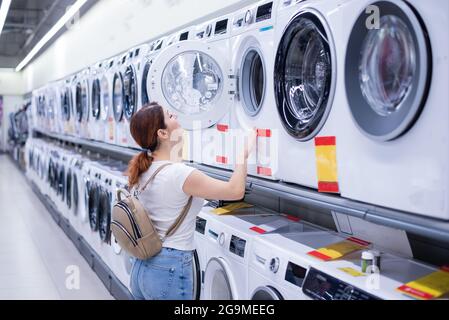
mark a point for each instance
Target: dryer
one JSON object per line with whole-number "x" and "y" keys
{"x": 307, "y": 87}
{"x": 394, "y": 155}
{"x": 252, "y": 50}
{"x": 191, "y": 79}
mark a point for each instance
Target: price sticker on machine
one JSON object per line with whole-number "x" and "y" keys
{"x": 231, "y": 207}
{"x": 428, "y": 287}
{"x": 326, "y": 164}
{"x": 339, "y": 249}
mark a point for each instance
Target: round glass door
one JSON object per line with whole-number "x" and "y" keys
{"x": 146, "y": 71}
{"x": 266, "y": 293}
{"x": 217, "y": 283}
{"x": 118, "y": 97}
{"x": 79, "y": 102}
{"x": 66, "y": 104}
{"x": 68, "y": 189}
{"x": 93, "y": 206}
{"x": 85, "y": 100}
{"x": 387, "y": 72}
{"x": 96, "y": 99}
{"x": 304, "y": 76}
{"x": 105, "y": 101}
{"x": 104, "y": 212}
{"x": 75, "y": 194}
{"x": 130, "y": 89}
{"x": 252, "y": 81}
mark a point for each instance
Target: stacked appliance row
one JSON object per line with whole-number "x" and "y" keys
{"x": 82, "y": 191}
{"x": 363, "y": 79}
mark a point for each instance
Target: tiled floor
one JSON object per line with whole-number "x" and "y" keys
{"x": 36, "y": 257}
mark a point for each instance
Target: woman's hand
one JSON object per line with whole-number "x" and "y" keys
{"x": 250, "y": 142}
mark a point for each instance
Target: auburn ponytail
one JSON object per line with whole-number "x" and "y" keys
{"x": 144, "y": 126}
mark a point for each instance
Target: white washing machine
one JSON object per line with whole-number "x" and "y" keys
{"x": 327, "y": 281}
{"x": 67, "y": 107}
{"x": 394, "y": 155}
{"x": 82, "y": 104}
{"x": 96, "y": 124}
{"x": 123, "y": 99}
{"x": 191, "y": 79}
{"x": 106, "y": 113}
{"x": 308, "y": 87}
{"x": 252, "y": 49}
{"x": 279, "y": 262}
{"x": 228, "y": 245}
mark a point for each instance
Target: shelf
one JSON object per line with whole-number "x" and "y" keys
{"x": 420, "y": 225}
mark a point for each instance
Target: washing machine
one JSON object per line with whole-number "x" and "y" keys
{"x": 191, "y": 78}
{"x": 228, "y": 245}
{"x": 65, "y": 94}
{"x": 119, "y": 101}
{"x": 328, "y": 281}
{"x": 252, "y": 48}
{"x": 279, "y": 263}
{"x": 308, "y": 90}
{"x": 106, "y": 112}
{"x": 96, "y": 124}
{"x": 50, "y": 106}
{"x": 82, "y": 104}
{"x": 393, "y": 155}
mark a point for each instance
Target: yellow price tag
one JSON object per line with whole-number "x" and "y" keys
{"x": 428, "y": 287}
{"x": 231, "y": 207}
{"x": 339, "y": 249}
{"x": 352, "y": 272}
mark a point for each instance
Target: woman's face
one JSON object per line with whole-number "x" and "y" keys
{"x": 171, "y": 121}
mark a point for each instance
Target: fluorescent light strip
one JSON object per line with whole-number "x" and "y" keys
{"x": 51, "y": 33}
{"x": 4, "y": 13}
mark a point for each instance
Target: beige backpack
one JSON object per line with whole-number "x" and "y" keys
{"x": 132, "y": 227}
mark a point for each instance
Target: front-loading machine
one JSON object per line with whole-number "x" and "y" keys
{"x": 82, "y": 104}
{"x": 96, "y": 123}
{"x": 106, "y": 111}
{"x": 394, "y": 154}
{"x": 67, "y": 114}
{"x": 309, "y": 95}
{"x": 191, "y": 78}
{"x": 228, "y": 240}
{"x": 252, "y": 50}
{"x": 279, "y": 262}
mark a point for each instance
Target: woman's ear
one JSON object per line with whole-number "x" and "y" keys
{"x": 162, "y": 134}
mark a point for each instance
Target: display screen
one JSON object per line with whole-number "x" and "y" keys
{"x": 295, "y": 274}
{"x": 221, "y": 27}
{"x": 321, "y": 286}
{"x": 237, "y": 246}
{"x": 264, "y": 12}
{"x": 184, "y": 36}
{"x": 200, "y": 225}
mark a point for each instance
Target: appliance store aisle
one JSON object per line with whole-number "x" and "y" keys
{"x": 37, "y": 260}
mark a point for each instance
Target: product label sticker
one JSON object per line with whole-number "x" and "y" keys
{"x": 339, "y": 249}
{"x": 352, "y": 272}
{"x": 231, "y": 207}
{"x": 428, "y": 287}
{"x": 111, "y": 128}
{"x": 326, "y": 163}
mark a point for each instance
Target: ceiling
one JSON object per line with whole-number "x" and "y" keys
{"x": 27, "y": 22}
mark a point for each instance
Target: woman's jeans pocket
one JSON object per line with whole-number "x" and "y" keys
{"x": 169, "y": 275}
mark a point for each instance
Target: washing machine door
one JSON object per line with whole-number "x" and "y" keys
{"x": 305, "y": 75}
{"x": 66, "y": 105}
{"x": 104, "y": 212}
{"x": 93, "y": 206}
{"x": 61, "y": 182}
{"x": 118, "y": 96}
{"x": 266, "y": 293}
{"x": 87, "y": 185}
{"x": 387, "y": 72}
{"x": 145, "y": 76}
{"x": 68, "y": 188}
{"x": 79, "y": 102}
{"x": 130, "y": 86}
{"x": 105, "y": 101}
{"x": 75, "y": 193}
{"x": 192, "y": 79}
{"x": 219, "y": 283}
{"x": 96, "y": 99}
{"x": 85, "y": 99}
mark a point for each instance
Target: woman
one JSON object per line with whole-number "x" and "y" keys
{"x": 169, "y": 275}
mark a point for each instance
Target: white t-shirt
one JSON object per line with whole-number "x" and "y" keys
{"x": 165, "y": 199}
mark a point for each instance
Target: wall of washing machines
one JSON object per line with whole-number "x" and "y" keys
{"x": 301, "y": 72}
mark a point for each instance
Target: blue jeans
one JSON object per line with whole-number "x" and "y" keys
{"x": 166, "y": 276}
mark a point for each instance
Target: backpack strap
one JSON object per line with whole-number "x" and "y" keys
{"x": 179, "y": 220}
{"x": 152, "y": 177}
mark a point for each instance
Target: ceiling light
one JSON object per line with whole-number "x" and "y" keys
{"x": 51, "y": 33}
{"x": 3, "y": 13}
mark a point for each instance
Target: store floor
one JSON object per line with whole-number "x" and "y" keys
{"x": 37, "y": 260}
